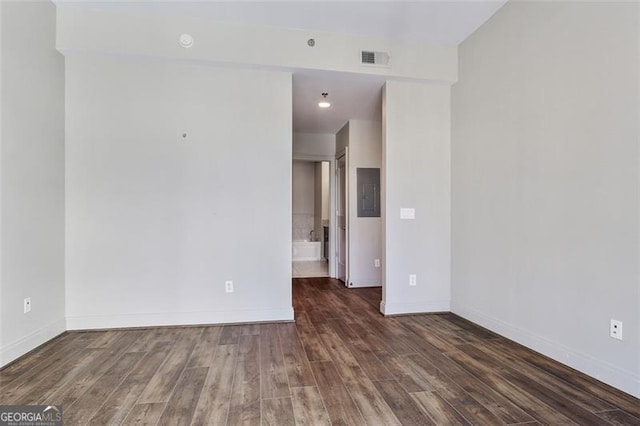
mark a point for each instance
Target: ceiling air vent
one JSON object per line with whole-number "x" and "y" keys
{"x": 369, "y": 57}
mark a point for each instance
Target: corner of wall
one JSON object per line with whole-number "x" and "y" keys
{"x": 32, "y": 191}
{"x": 545, "y": 209}
{"x": 612, "y": 374}
{"x": 13, "y": 350}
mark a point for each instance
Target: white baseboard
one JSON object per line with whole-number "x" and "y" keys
{"x": 429, "y": 306}
{"x": 364, "y": 285}
{"x": 621, "y": 379}
{"x": 92, "y": 322}
{"x": 23, "y": 345}
{"x": 364, "y": 281}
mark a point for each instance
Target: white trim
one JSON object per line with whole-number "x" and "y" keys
{"x": 312, "y": 157}
{"x": 23, "y": 345}
{"x": 343, "y": 154}
{"x": 90, "y": 322}
{"x": 601, "y": 370}
{"x": 428, "y": 306}
{"x": 356, "y": 282}
{"x": 364, "y": 285}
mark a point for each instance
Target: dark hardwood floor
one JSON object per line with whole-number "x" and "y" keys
{"x": 341, "y": 363}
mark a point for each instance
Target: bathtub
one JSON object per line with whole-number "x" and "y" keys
{"x": 306, "y": 250}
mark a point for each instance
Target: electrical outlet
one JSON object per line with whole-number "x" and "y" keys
{"x": 376, "y": 263}
{"x": 27, "y": 305}
{"x": 615, "y": 329}
{"x": 228, "y": 286}
{"x": 412, "y": 279}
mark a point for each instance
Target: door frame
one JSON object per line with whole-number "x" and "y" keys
{"x": 333, "y": 231}
{"x": 339, "y": 155}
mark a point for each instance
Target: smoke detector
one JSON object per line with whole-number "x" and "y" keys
{"x": 186, "y": 40}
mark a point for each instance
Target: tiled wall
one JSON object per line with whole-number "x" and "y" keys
{"x": 302, "y": 225}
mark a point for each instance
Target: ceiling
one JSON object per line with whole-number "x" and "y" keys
{"x": 446, "y": 22}
{"x": 352, "y": 96}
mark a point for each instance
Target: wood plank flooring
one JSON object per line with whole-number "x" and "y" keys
{"x": 341, "y": 363}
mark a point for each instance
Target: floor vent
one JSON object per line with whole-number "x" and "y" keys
{"x": 369, "y": 57}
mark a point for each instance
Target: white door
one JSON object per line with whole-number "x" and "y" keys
{"x": 341, "y": 246}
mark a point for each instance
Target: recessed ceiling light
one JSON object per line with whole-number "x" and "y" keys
{"x": 186, "y": 40}
{"x": 324, "y": 103}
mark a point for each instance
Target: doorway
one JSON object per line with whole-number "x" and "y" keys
{"x": 323, "y": 133}
{"x": 311, "y": 190}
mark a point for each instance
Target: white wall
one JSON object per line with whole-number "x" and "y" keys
{"x": 303, "y": 198}
{"x": 317, "y": 200}
{"x": 303, "y": 175}
{"x": 321, "y": 200}
{"x": 156, "y": 223}
{"x": 32, "y": 178}
{"x": 365, "y": 233}
{"x": 545, "y": 182}
{"x": 342, "y": 139}
{"x": 325, "y": 188}
{"x": 1, "y": 114}
{"x": 314, "y": 145}
{"x": 87, "y": 29}
{"x": 416, "y": 174}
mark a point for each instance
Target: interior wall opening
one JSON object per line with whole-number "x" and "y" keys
{"x": 310, "y": 218}
{"x": 344, "y": 137}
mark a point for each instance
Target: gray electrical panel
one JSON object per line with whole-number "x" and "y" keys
{"x": 368, "y": 191}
